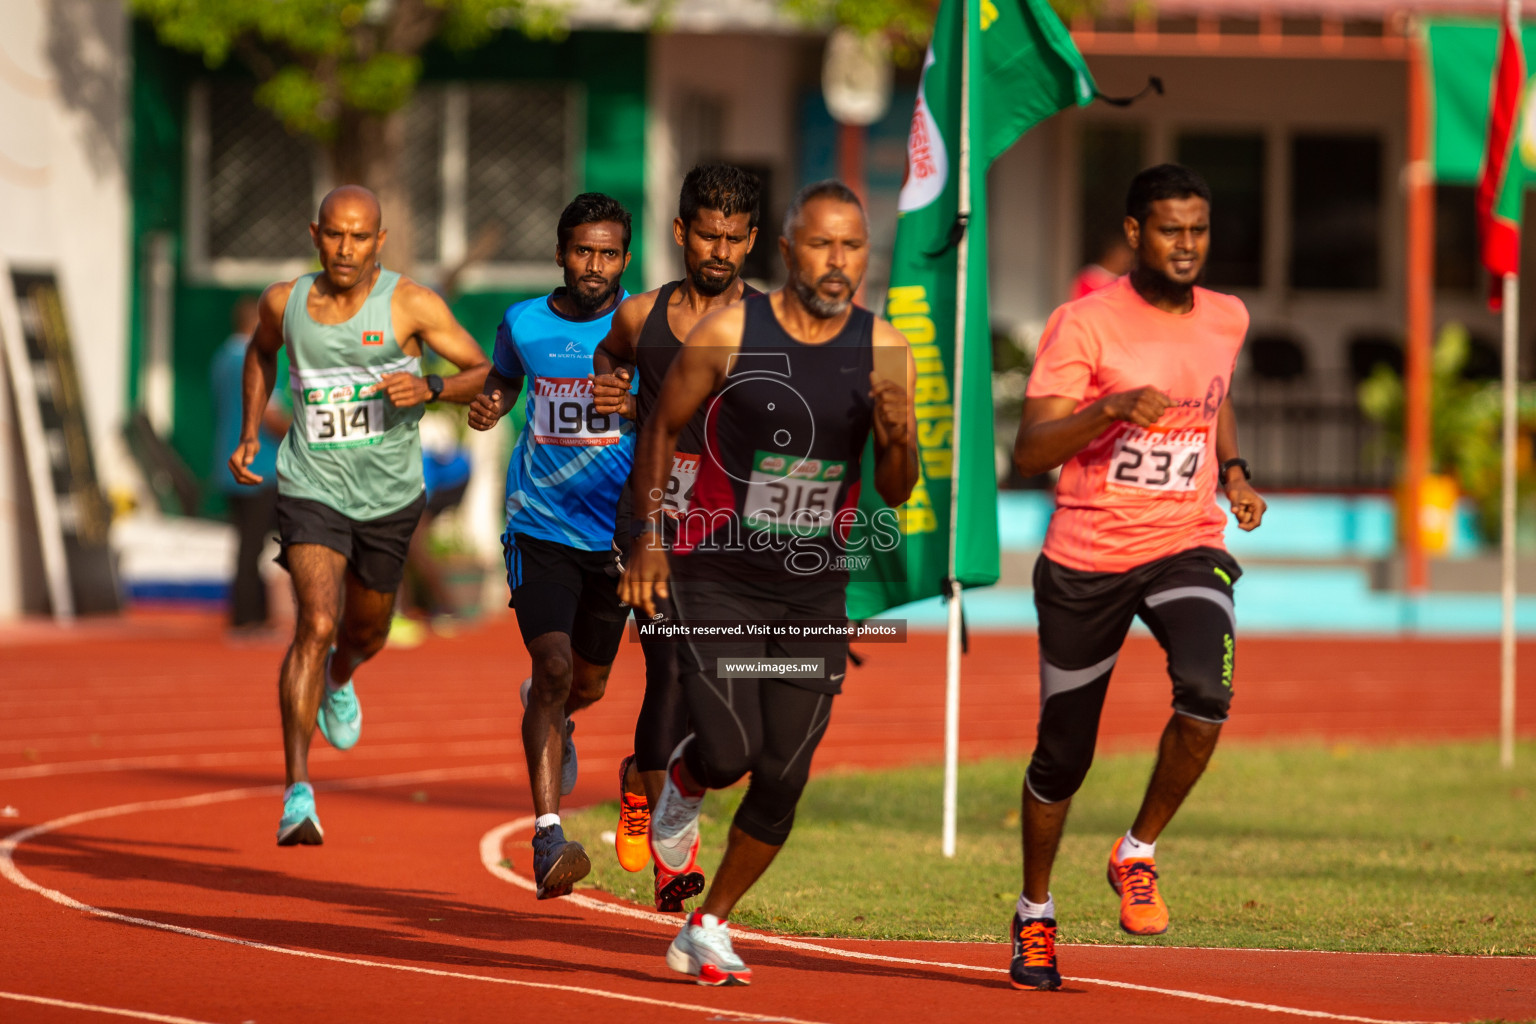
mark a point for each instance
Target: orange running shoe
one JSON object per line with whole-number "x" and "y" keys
{"x": 1034, "y": 953}
{"x": 1142, "y": 910}
{"x": 631, "y": 841}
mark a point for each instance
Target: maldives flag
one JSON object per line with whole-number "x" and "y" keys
{"x": 1507, "y": 159}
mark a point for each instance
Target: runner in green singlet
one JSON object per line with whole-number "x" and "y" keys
{"x": 349, "y": 479}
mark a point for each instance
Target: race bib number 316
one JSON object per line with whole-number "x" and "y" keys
{"x": 787, "y": 495}
{"x": 1163, "y": 460}
{"x": 346, "y": 416}
{"x": 563, "y": 414}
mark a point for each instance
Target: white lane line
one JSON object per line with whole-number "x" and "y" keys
{"x": 14, "y": 875}
{"x": 465, "y": 748}
{"x": 490, "y": 857}
{"x": 93, "y": 1008}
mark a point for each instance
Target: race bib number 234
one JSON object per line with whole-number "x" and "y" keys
{"x": 1163, "y": 460}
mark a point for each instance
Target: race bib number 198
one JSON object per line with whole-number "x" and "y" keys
{"x": 786, "y": 494}
{"x": 346, "y": 416}
{"x": 563, "y": 414}
{"x": 1163, "y": 460}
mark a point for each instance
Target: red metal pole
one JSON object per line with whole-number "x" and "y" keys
{"x": 850, "y": 158}
{"x": 1420, "y": 312}
{"x": 852, "y": 142}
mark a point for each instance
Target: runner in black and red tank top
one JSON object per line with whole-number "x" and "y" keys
{"x": 800, "y": 378}
{"x": 783, "y": 441}
{"x": 716, "y": 226}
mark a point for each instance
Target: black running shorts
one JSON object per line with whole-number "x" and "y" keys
{"x": 1186, "y": 601}
{"x": 375, "y": 548}
{"x": 560, "y": 589}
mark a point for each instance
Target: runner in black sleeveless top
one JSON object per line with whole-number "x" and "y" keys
{"x": 779, "y": 481}
{"x": 716, "y": 227}
{"x": 799, "y": 379}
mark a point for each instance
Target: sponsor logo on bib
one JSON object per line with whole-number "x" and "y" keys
{"x": 343, "y": 393}
{"x": 373, "y": 337}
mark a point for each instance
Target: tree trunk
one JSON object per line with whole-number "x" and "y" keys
{"x": 369, "y": 150}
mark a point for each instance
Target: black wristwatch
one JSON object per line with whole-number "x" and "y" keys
{"x": 434, "y": 385}
{"x": 1226, "y": 466}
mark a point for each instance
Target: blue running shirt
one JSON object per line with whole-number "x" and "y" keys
{"x": 570, "y": 465}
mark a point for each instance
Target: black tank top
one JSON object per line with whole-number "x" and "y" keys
{"x": 778, "y": 480}
{"x": 655, "y": 349}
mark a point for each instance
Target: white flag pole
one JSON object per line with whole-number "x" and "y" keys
{"x": 1507, "y": 525}
{"x": 1511, "y": 375}
{"x": 952, "y": 649}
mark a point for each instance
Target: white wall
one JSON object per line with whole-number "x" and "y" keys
{"x": 753, "y": 84}
{"x": 64, "y": 203}
{"x": 1038, "y": 205}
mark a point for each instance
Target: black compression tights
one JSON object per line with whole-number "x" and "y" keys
{"x": 764, "y": 726}
{"x": 663, "y": 720}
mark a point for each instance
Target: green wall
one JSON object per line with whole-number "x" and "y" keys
{"x": 610, "y": 67}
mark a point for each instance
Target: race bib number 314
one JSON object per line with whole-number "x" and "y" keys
{"x": 563, "y": 414}
{"x": 346, "y": 416}
{"x": 1163, "y": 460}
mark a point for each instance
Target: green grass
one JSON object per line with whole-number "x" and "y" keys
{"x": 1401, "y": 849}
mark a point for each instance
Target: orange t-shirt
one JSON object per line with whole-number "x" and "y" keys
{"x": 1135, "y": 495}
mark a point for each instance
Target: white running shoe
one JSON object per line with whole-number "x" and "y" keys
{"x": 675, "y": 823}
{"x": 703, "y": 949}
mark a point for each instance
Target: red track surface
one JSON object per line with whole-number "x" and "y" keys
{"x": 396, "y": 919}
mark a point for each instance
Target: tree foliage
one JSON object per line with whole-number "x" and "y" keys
{"x": 320, "y": 60}
{"x": 906, "y": 23}
{"x": 1466, "y": 418}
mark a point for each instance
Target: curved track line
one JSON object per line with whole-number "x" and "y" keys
{"x": 490, "y": 857}
{"x": 93, "y": 1008}
{"x": 14, "y": 875}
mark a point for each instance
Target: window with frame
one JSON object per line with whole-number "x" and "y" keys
{"x": 1111, "y": 155}
{"x": 1336, "y": 212}
{"x": 487, "y": 166}
{"x": 1232, "y": 164}
{"x": 1458, "y": 263}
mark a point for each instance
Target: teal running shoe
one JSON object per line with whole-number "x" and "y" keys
{"x": 300, "y": 825}
{"x": 341, "y": 716}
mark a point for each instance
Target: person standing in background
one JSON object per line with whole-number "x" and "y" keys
{"x": 1115, "y": 261}
{"x": 252, "y": 510}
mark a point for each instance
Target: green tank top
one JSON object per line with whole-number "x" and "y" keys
{"x": 349, "y": 448}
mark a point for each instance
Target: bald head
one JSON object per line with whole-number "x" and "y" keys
{"x": 349, "y": 202}
{"x": 348, "y": 236}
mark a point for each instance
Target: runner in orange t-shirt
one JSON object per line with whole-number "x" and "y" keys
{"x": 1129, "y": 396}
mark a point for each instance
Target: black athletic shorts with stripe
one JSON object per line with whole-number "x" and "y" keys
{"x": 560, "y": 589}
{"x": 1186, "y": 601}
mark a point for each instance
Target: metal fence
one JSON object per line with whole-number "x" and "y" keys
{"x": 1295, "y": 437}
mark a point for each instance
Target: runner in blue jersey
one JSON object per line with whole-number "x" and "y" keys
{"x": 570, "y": 465}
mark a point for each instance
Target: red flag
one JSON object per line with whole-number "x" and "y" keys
{"x": 1501, "y": 185}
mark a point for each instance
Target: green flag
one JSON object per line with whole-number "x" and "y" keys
{"x": 1483, "y": 128}
{"x": 1462, "y": 55}
{"x": 1023, "y": 69}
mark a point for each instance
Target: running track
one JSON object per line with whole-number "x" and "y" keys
{"x": 142, "y": 882}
